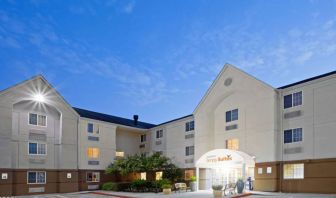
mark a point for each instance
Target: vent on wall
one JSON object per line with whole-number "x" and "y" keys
{"x": 93, "y": 162}
{"x": 188, "y": 161}
{"x": 292, "y": 114}
{"x": 37, "y": 137}
{"x": 93, "y": 138}
{"x": 189, "y": 136}
{"x": 158, "y": 142}
{"x": 231, "y": 127}
{"x": 142, "y": 146}
{"x": 293, "y": 150}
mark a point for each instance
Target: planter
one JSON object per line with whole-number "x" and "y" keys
{"x": 166, "y": 191}
{"x": 217, "y": 193}
{"x": 240, "y": 186}
{"x": 193, "y": 186}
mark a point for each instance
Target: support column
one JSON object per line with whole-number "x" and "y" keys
{"x": 197, "y": 178}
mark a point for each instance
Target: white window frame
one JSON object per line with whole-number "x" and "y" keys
{"x": 37, "y": 119}
{"x": 145, "y": 139}
{"x": 293, "y": 178}
{"x": 45, "y": 177}
{"x": 93, "y": 172}
{"x": 298, "y": 142}
{"x": 187, "y": 126}
{"x": 283, "y": 98}
{"x": 187, "y": 148}
{"x": 160, "y": 134}
{"x": 37, "y": 147}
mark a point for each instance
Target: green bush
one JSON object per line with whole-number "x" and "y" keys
{"x": 139, "y": 183}
{"x": 160, "y": 183}
{"x": 217, "y": 187}
{"x": 193, "y": 178}
{"x": 165, "y": 186}
{"x": 110, "y": 186}
{"x": 123, "y": 186}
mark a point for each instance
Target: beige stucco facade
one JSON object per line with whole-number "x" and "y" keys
{"x": 258, "y": 130}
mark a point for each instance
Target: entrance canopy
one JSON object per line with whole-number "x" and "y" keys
{"x": 224, "y": 157}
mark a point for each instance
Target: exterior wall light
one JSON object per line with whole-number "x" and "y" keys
{"x": 39, "y": 98}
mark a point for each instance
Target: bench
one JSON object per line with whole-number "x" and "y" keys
{"x": 181, "y": 187}
{"x": 230, "y": 188}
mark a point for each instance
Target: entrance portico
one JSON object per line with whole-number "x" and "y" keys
{"x": 223, "y": 166}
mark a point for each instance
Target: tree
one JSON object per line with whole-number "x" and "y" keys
{"x": 137, "y": 163}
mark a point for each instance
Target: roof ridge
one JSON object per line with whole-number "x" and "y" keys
{"x": 308, "y": 79}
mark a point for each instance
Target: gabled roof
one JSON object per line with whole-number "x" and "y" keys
{"x": 40, "y": 77}
{"x": 112, "y": 119}
{"x": 180, "y": 118}
{"x": 308, "y": 79}
{"x": 226, "y": 66}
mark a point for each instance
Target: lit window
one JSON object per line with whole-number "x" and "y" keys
{"x": 93, "y": 152}
{"x": 158, "y": 175}
{"x": 143, "y": 138}
{"x": 120, "y": 154}
{"x": 231, "y": 115}
{"x": 190, "y": 126}
{"x": 269, "y": 170}
{"x": 293, "y": 100}
{"x": 260, "y": 171}
{"x": 293, "y": 171}
{"x": 90, "y": 127}
{"x": 159, "y": 133}
{"x": 37, "y": 120}
{"x": 188, "y": 174}
{"x": 36, "y": 177}
{"x": 232, "y": 144}
{"x": 293, "y": 135}
{"x": 92, "y": 177}
{"x": 189, "y": 150}
{"x": 37, "y": 148}
{"x": 143, "y": 176}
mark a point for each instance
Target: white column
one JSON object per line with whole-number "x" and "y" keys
{"x": 197, "y": 178}
{"x": 244, "y": 171}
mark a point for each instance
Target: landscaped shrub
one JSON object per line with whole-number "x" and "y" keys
{"x": 110, "y": 186}
{"x": 123, "y": 186}
{"x": 160, "y": 183}
{"x": 165, "y": 186}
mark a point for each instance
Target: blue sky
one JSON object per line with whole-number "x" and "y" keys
{"x": 158, "y": 58}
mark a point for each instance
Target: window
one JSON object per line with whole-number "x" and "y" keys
{"x": 293, "y": 100}
{"x": 37, "y": 120}
{"x": 232, "y": 144}
{"x": 159, "y": 133}
{"x": 92, "y": 177}
{"x": 269, "y": 170}
{"x": 260, "y": 171}
{"x": 90, "y": 128}
{"x": 37, "y": 148}
{"x": 189, "y": 150}
{"x": 158, "y": 175}
{"x": 190, "y": 126}
{"x": 143, "y": 138}
{"x": 36, "y": 177}
{"x": 293, "y": 135}
{"x": 93, "y": 152}
{"x": 143, "y": 176}
{"x": 120, "y": 154}
{"x": 293, "y": 171}
{"x": 231, "y": 115}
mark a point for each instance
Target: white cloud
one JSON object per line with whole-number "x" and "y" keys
{"x": 129, "y": 7}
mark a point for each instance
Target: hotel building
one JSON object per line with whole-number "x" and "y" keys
{"x": 283, "y": 138}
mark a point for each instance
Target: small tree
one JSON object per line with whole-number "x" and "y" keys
{"x": 137, "y": 163}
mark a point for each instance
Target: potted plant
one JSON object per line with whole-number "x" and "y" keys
{"x": 240, "y": 185}
{"x": 166, "y": 189}
{"x": 217, "y": 191}
{"x": 193, "y": 183}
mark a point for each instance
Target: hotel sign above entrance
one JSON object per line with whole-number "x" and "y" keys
{"x": 215, "y": 159}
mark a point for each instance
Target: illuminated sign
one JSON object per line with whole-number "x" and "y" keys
{"x": 215, "y": 159}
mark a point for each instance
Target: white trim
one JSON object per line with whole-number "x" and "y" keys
{"x": 37, "y": 119}
{"x": 92, "y": 177}
{"x": 37, "y": 146}
{"x": 45, "y": 176}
